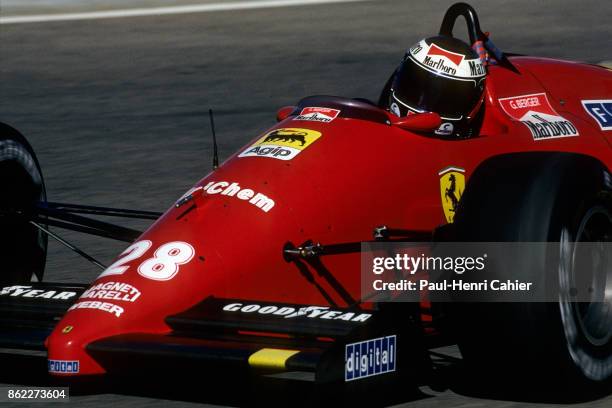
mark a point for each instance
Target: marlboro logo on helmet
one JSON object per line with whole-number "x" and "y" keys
{"x": 444, "y": 62}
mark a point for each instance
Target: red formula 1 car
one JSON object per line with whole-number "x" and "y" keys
{"x": 257, "y": 267}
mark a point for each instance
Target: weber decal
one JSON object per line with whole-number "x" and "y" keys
{"x": 282, "y": 144}
{"x": 111, "y": 308}
{"x": 28, "y": 292}
{"x": 63, "y": 366}
{"x": 287, "y": 312}
{"x": 601, "y": 111}
{"x": 315, "y": 114}
{"x": 535, "y": 112}
{"x": 370, "y": 357}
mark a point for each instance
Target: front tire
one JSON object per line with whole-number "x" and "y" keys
{"x": 558, "y": 198}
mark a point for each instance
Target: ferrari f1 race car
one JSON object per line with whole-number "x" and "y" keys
{"x": 256, "y": 268}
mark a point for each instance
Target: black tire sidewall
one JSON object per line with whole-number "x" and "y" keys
{"x": 527, "y": 198}
{"x": 590, "y": 188}
{"x": 22, "y": 247}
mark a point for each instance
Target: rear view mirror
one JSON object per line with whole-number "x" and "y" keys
{"x": 419, "y": 122}
{"x": 284, "y": 112}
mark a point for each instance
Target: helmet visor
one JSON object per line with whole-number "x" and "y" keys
{"x": 423, "y": 90}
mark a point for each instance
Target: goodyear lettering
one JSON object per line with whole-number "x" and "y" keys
{"x": 28, "y": 292}
{"x": 287, "y": 312}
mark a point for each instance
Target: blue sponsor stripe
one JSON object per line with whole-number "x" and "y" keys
{"x": 371, "y": 359}
{"x": 392, "y": 350}
{"x": 349, "y": 361}
{"x": 377, "y": 356}
{"x": 601, "y": 111}
{"x": 385, "y": 347}
{"x": 357, "y": 352}
{"x": 363, "y": 364}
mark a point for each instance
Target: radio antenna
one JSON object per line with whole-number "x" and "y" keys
{"x": 214, "y": 138}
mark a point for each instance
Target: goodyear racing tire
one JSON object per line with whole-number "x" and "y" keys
{"x": 23, "y": 248}
{"x": 559, "y": 198}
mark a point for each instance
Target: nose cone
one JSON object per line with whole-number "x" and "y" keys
{"x": 66, "y": 349}
{"x": 159, "y": 275}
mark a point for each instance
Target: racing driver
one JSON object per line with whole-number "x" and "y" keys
{"x": 443, "y": 75}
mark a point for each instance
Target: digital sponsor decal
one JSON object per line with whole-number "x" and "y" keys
{"x": 28, "y": 292}
{"x": 316, "y": 114}
{"x": 288, "y": 312}
{"x": 111, "y": 308}
{"x": 446, "y": 63}
{"x": 64, "y": 366}
{"x": 601, "y": 111}
{"x": 369, "y": 358}
{"x": 282, "y": 144}
{"x": 112, "y": 291}
{"x": 452, "y": 185}
{"x": 226, "y": 188}
{"x": 535, "y": 112}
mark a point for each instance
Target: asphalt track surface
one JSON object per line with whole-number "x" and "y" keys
{"x": 116, "y": 110}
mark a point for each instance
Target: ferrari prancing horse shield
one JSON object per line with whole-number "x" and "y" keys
{"x": 452, "y": 184}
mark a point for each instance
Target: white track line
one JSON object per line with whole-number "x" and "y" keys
{"x": 156, "y": 11}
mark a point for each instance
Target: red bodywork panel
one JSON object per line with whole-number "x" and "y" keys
{"x": 357, "y": 175}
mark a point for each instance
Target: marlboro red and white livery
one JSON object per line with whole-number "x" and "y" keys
{"x": 536, "y": 112}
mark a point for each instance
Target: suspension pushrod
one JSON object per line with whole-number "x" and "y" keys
{"x": 68, "y": 245}
{"x": 106, "y": 211}
{"x": 112, "y": 229}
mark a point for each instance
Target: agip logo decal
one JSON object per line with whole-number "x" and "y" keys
{"x": 282, "y": 144}
{"x": 452, "y": 185}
